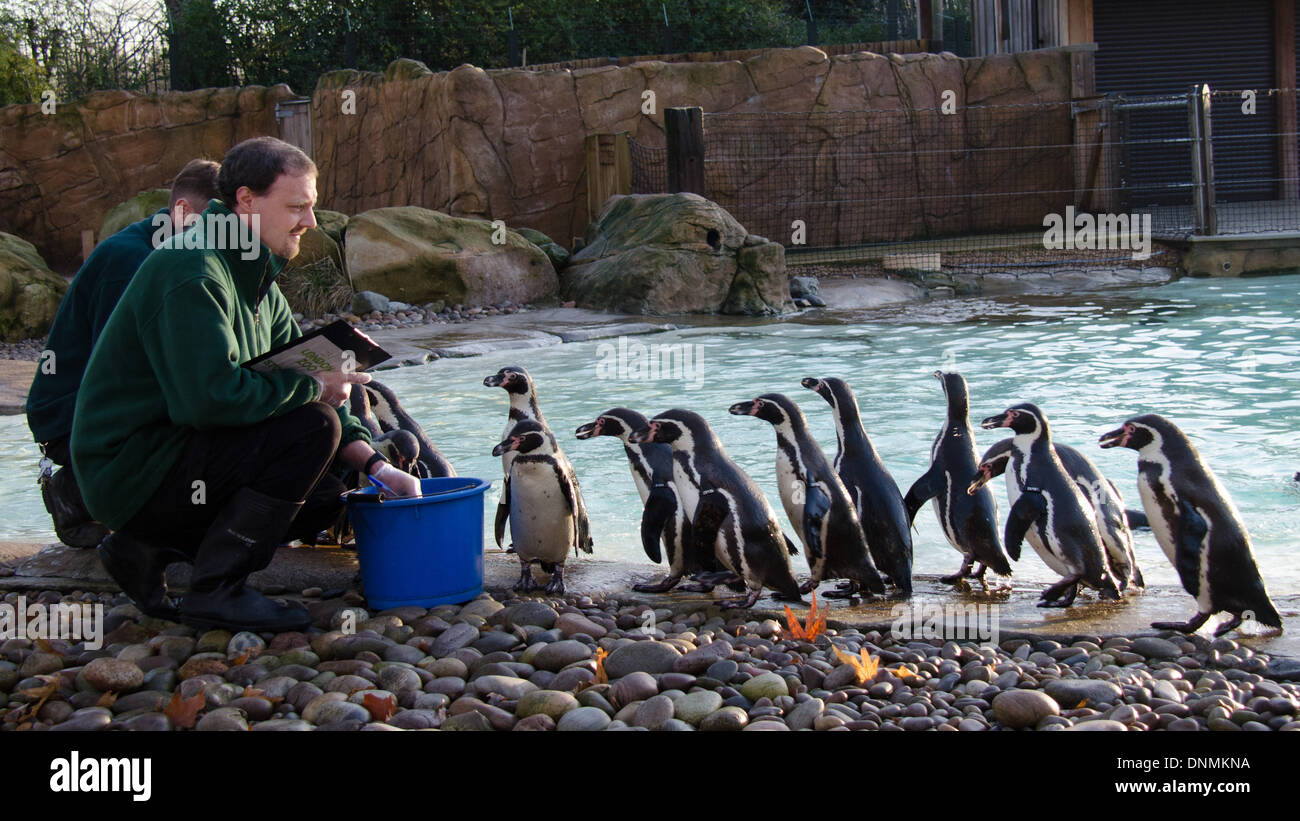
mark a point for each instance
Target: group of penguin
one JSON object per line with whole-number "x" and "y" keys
{"x": 717, "y": 526}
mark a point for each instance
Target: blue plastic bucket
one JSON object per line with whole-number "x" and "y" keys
{"x": 425, "y": 550}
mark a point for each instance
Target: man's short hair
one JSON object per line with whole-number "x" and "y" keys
{"x": 197, "y": 183}
{"x": 256, "y": 163}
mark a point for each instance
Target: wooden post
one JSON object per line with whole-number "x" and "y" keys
{"x": 1284, "y": 79}
{"x": 684, "y": 128}
{"x": 609, "y": 170}
{"x": 1198, "y": 165}
{"x": 87, "y": 243}
{"x": 1207, "y": 162}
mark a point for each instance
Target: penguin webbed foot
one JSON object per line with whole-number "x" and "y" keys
{"x": 1228, "y": 626}
{"x": 1190, "y": 626}
{"x": 742, "y": 601}
{"x": 790, "y": 597}
{"x": 556, "y": 585}
{"x": 846, "y": 591}
{"x": 525, "y": 583}
{"x": 807, "y": 587}
{"x": 668, "y": 583}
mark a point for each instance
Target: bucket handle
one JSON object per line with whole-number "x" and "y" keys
{"x": 379, "y": 497}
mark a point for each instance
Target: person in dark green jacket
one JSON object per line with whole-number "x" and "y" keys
{"x": 80, "y": 319}
{"x": 185, "y": 453}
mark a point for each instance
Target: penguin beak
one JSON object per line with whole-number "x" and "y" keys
{"x": 493, "y": 381}
{"x": 1002, "y": 420}
{"x": 811, "y": 384}
{"x": 588, "y": 430}
{"x": 509, "y": 444}
{"x": 938, "y": 375}
{"x": 1117, "y": 438}
{"x": 749, "y": 408}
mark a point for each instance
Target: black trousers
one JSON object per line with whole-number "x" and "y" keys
{"x": 286, "y": 457}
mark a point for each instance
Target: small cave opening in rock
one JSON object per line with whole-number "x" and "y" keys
{"x": 714, "y": 239}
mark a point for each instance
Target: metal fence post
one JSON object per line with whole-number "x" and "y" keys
{"x": 684, "y": 129}
{"x": 1198, "y": 126}
{"x": 1207, "y": 164}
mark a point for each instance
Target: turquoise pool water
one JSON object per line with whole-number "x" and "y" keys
{"x": 1218, "y": 357}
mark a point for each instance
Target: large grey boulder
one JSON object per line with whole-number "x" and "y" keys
{"x": 676, "y": 254}
{"x": 417, "y": 255}
{"x": 29, "y": 291}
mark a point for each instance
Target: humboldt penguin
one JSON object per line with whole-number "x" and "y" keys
{"x": 544, "y": 521}
{"x": 518, "y": 385}
{"x": 815, "y": 500}
{"x": 663, "y": 518}
{"x": 970, "y": 522}
{"x": 1101, "y": 493}
{"x": 731, "y": 516}
{"x": 1197, "y": 526}
{"x": 1049, "y": 510}
{"x": 873, "y": 490}
{"x": 395, "y": 433}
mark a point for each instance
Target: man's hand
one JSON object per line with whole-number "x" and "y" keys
{"x": 398, "y": 481}
{"x": 336, "y": 386}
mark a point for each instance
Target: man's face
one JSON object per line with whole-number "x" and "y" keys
{"x": 284, "y": 212}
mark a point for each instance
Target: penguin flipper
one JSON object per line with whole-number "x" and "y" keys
{"x": 922, "y": 490}
{"x": 815, "y": 507}
{"x": 1028, "y": 508}
{"x": 660, "y": 507}
{"x": 584, "y": 541}
{"x": 710, "y": 513}
{"x": 789, "y": 545}
{"x": 1187, "y": 552}
{"x": 1136, "y": 519}
{"x": 503, "y": 511}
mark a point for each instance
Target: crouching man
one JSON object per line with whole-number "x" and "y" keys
{"x": 187, "y": 455}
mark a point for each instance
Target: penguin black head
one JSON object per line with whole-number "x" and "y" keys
{"x": 833, "y": 389}
{"x": 514, "y": 379}
{"x": 1024, "y": 418}
{"x": 526, "y": 437}
{"x": 954, "y": 387}
{"x": 676, "y": 427}
{"x": 1141, "y": 432}
{"x": 619, "y": 422}
{"x": 776, "y": 408}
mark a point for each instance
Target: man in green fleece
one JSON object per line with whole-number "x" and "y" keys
{"x": 80, "y": 319}
{"x": 184, "y": 453}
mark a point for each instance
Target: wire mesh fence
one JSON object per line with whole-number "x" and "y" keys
{"x": 1084, "y": 182}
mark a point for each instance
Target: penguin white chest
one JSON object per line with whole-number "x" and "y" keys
{"x": 542, "y": 524}
{"x": 793, "y": 490}
{"x": 1161, "y": 528}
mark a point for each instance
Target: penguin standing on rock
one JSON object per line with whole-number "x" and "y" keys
{"x": 815, "y": 500}
{"x": 730, "y": 515}
{"x": 1101, "y": 493}
{"x": 544, "y": 520}
{"x": 969, "y": 521}
{"x": 873, "y": 490}
{"x": 518, "y": 385}
{"x": 664, "y": 517}
{"x": 1197, "y": 526}
{"x": 1048, "y": 509}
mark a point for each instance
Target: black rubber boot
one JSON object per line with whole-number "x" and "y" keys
{"x": 138, "y": 568}
{"x": 72, "y": 521}
{"x": 241, "y": 540}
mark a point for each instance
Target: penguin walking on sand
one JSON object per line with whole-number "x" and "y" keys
{"x": 544, "y": 514}
{"x": 969, "y": 521}
{"x": 518, "y": 385}
{"x": 1196, "y": 525}
{"x": 873, "y": 490}
{"x": 1101, "y": 493}
{"x": 731, "y": 517}
{"x": 1049, "y": 510}
{"x": 815, "y": 500}
{"x": 395, "y": 433}
{"x": 664, "y": 518}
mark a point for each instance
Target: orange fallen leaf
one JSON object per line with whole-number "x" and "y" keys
{"x": 252, "y": 692}
{"x": 902, "y": 672}
{"x": 107, "y": 699}
{"x": 601, "y": 676}
{"x": 41, "y": 694}
{"x": 381, "y": 708}
{"x": 813, "y": 625}
{"x": 184, "y": 711}
{"x": 45, "y": 646}
{"x": 1081, "y": 704}
{"x": 242, "y": 659}
{"x": 865, "y": 664}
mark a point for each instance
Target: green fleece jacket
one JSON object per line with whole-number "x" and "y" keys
{"x": 169, "y": 363}
{"x": 80, "y": 319}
